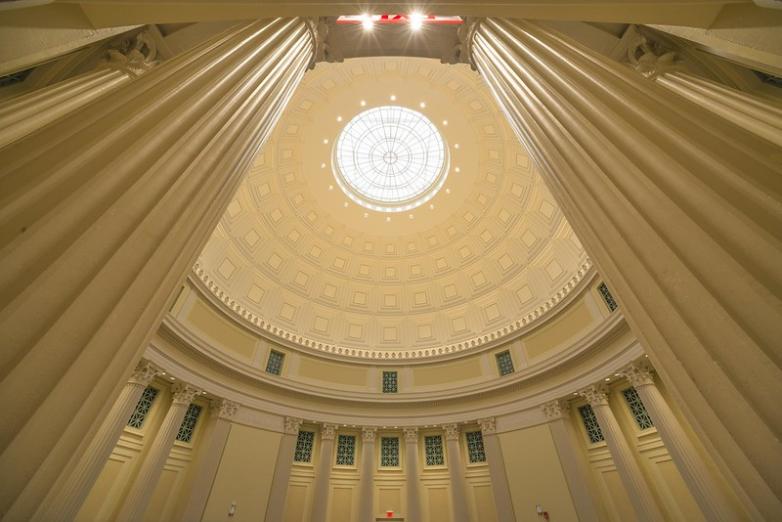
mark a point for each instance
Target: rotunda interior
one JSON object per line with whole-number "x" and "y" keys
{"x": 324, "y": 262}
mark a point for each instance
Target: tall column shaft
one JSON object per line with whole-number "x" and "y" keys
{"x": 503, "y": 502}
{"x": 101, "y": 215}
{"x": 574, "y": 467}
{"x": 275, "y": 510}
{"x": 69, "y": 497}
{"x": 461, "y": 512}
{"x": 210, "y": 451}
{"x": 136, "y": 501}
{"x": 699, "y": 480}
{"x": 641, "y": 496}
{"x": 411, "y": 476}
{"x": 320, "y": 494}
{"x": 366, "y": 489}
{"x": 681, "y": 210}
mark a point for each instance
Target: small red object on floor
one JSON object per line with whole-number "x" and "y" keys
{"x": 389, "y": 514}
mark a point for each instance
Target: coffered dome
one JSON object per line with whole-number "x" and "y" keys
{"x": 392, "y": 215}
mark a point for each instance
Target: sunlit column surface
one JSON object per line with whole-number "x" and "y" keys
{"x": 681, "y": 210}
{"x": 366, "y": 488}
{"x": 411, "y": 476}
{"x": 136, "y": 501}
{"x": 322, "y": 485}
{"x": 573, "y": 464}
{"x": 641, "y": 496}
{"x": 102, "y": 212}
{"x": 499, "y": 479}
{"x": 282, "y": 470}
{"x": 704, "y": 489}
{"x": 459, "y": 506}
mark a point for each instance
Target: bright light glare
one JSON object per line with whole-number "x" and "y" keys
{"x": 416, "y": 21}
{"x": 366, "y": 22}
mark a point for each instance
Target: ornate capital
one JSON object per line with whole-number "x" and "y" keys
{"x": 461, "y": 52}
{"x": 144, "y": 373}
{"x": 411, "y": 434}
{"x": 595, "y": 395}
{"x": 322, "y": 50}
{"x": 184, "y": 393}
{"x": 555, "y": 409}
{"x": 135, "y": 56}
{"x": 368, "y": 434}
{"x": 637, "y": 374}
{"x": 292, "y": 425}
{"x": 328, "y": 431}
{"x": 488, "y": 425}
{"x": 451, "y": 431}
{"x": 649, "y": 58}
{"x": 224, "y": 409}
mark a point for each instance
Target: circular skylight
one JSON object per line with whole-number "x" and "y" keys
{"x": 390, "y": 159}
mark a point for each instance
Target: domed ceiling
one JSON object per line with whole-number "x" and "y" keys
{"x": 485, "y": 257}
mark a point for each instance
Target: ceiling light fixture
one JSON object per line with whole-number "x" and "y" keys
{"x": 422, "y": 105}
{"x": 362, "y": 103}
{"x": 339, "y": 118}
{"x": 445, "y": 122}
{"x": 366, "y": 22}
{"x": 416, "y": 21}
{"x": 393, "y": 97}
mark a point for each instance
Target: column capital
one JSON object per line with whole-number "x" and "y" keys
{"x": 461, "y": 52}
{"x": 292, "y": 425}
{"x": 368, "y": 433}
{"x": 595, "y": 395}
{"x": 411, "y": 434}
{"x": 144, "y": 373}
{"x": 133, "y": 56}
{"x": 637, "y": 374}
{"x": 451, "y": 431}
{"x": 184, "y": 393}
{"x": 224, "y": 408}
{"x": 555, "y": 409}
{"x": 322, "y": 50}
{"x": 328, "y": 431}
{"x": 650, "y": 58}
{"x": 488, "y": 425}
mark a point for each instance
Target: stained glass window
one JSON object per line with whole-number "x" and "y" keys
{"x": 593, "y": 430}
{"x": 142, "y": 407}
{"x": 475, "y": 450}
{"x": 189, "y": 423}
{"x": 389, "y": 452}
{"x": 609, "y": 300}
{"x": 304, "y": 446}
{"x": 637, "y": 407}
{"x": 433, "y": 448}
{"x": 346, "y": 450}
{"x": 504, "y": 363}
{"x": 389, "y": 382}
{"x": 274, "y": 364}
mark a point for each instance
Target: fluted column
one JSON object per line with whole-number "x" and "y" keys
{"x": 639, "y": 492}
{"x": 754, "y": 113}
{"x": 145, "y": 481}
{"x": 282, "y": 470}
{"x": 211, "y": 446}
{"x": 320, "y": 495}
{"x": 574, "y": 466}
{"x": 411, "y": 476}
{"x": 24, "y": 114}
{"x": 696, "y": 475}
{"x": 102, "y": 213}
{"x": 461, "y": 511}
{"x": 65, "y": 504}
{"x": 499, "y": 479}
{"x": 366, "y": 489}
{"x": 681, "y": 210}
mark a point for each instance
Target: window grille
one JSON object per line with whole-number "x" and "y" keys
{"x": 390, "y": 382}
{"x": 304, "y": 446}
{"x": 433, "y": 446}
{"x": 638, "y": 409}
{"x": 475, "y": 450}
{"x": 274, "y": 363}
{"x": 189, "y": 423}
{"x": 346, "y": 450}
{"x": 504, "y": 363}
{"x": 389, "y": 452}
{"x": 609, "y": 300}
{"x": 142, "y": 407}
{"x": 593, "y": 430}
